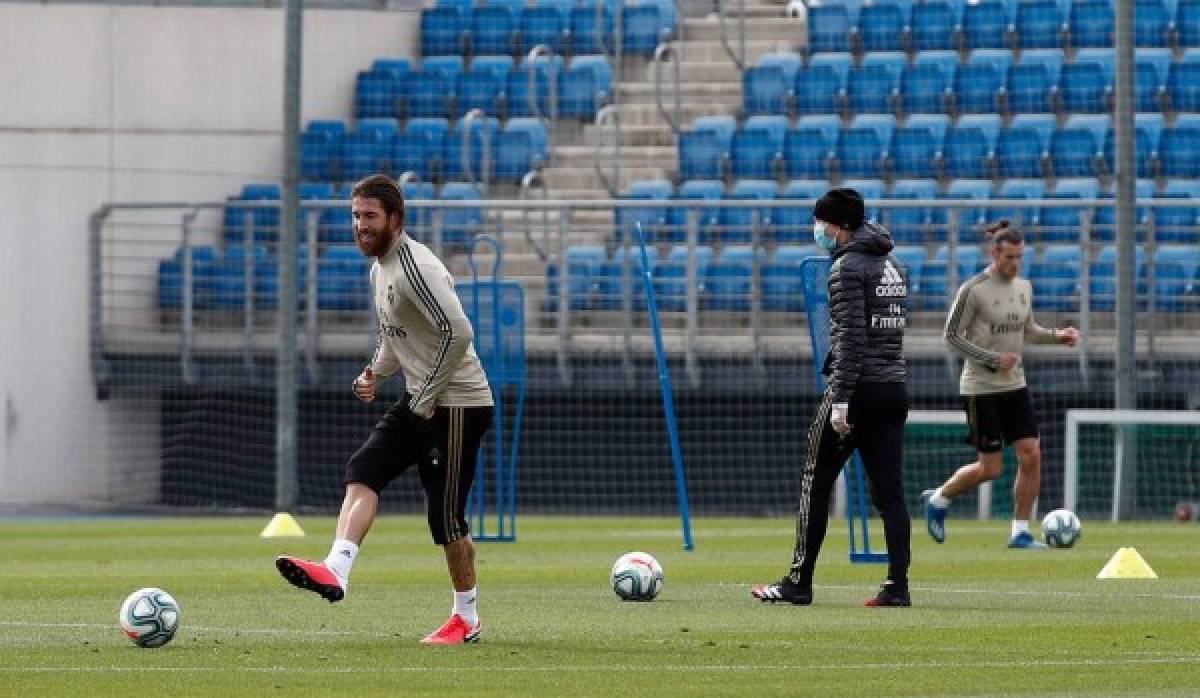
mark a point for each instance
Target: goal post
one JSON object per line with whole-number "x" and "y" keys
{"x": 1151, "y": 449}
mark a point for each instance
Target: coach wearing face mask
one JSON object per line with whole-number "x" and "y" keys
{"x": 866, "y": 402}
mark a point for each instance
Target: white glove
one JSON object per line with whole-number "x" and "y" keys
{"x": 841, "y": 411}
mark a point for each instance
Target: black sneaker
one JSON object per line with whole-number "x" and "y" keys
{"x": 890, "y": 594}
{"x": 785, "y": 591}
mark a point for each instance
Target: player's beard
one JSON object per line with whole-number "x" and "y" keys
{"x": 373, "y": 241}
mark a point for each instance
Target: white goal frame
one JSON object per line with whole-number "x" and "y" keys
{"x": 1071, "y": 460}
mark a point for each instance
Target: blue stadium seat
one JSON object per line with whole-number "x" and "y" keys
{"x": 493, "y": 30}
{"x": 643, "y": 28}
{"x": 1149, "y": 86}
{"x": 320, "y": 149}
{"x": 1001, "y": 59}
{"x": 1083, "y": 87}
{"x": 523, "y": 146}
{"x": 418, "y": 220}
{"x": 623, "y": 274}
{"x": 515, "y": 7}
{"x": 170, "y": 278}
{"x": 789, "y": 62}
{"x": 1151, "y": 23}
{"x": 1179, "y": 152}
{"x": 526, "y": 99}
{"x": 881, "y": 27}
{"x": 1187, "y": 22}
{"x": 727, "y": 282}
{"x": 870, "y": 88}
{"x": 655, "y": 223}
{"x": 933, "y": 25}
{"x": 969, "y": 219}
{"x": 829, "y": 124}
{"x": 460, "y": 224}
{"x": 829, "y": 28}
{"x": 914, "y": 152}
{"x": 807, "y": 154}
{"x": 591, "y": 28}
{"x": 1104, "y": 221}
{"x": 1145, "y": 152}
{"x": 1179, "y": 224}
{"x": 1043, "y": 124}
{"x": 1023, "y": 217}
{"x": 894, "y": 61}
{"x": 1039, "y": 24}
{"x": 368, "y": 149}
{"x": 1063, "y": 224}
{"x": 765, "y": 90}
{"x": 1019, "y": 153}
{"x": 758, "y": 145}
{"x": 450, "y": 66}
{"x": 443, "y": 31}
{"x": 585, "y": 88}
{"x": 840, "y": 61}
{"x": 1090, "y": 23}
{"x": 543, "y": 25}
{"x": 1074, "y": 153}
{"x": 969, "y": 150}
{"x": 342, "y": 279}
{"x": 782, "y": 285}
{"x": 1051, "y": 59}
{"x": 1183, "y": 86}
{"x": 396, "y": 67}
{"x": 936, "y": 124}
{"x": 818, "y": 90}
{"x": 985, "y": 24}
{"x": 498, "y": 64}
{"x": 670, "y": 276}
{"x": 923, "y": 88}
{"x": 416, "y": 154}
{"x": 946, "y": 60}
{"x": 723, "y": 126}
{"x": 708, "y": 218}
{"x": 702, "y": 155}
{"x": 374, "y": 94}
{"x": 911, "y": 225}
{"x": 737, "y": 223}
{"x": 1177, "y": 278}
{"x": 1055, "y": 279}
{"x": 481, "y": 88}
{"x": 860, "y": 153}
{"x": 1102, "y": 279}
{"x": 935, "y": 281}
{"x": 583, "y": 266}
{"x": 912, "y": 258}
{"x": 794, "y": 224}
{"x": 487, "y": 129}
{"x": 882, "y": 124}
{"x": 425, "y": 94}
{"x": 1096, "y": 124}
{"x": 975, "y": 87}
{"x": 1028, "y": 88}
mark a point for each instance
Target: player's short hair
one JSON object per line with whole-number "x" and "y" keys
{"x": 1000, "y": 232}
{"x": 383, "y": 188}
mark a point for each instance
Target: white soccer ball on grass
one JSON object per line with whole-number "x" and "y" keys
{"x": 1061, "y": 528}
{"x": 149, "y": 617}
{"x": 637, "y": 576}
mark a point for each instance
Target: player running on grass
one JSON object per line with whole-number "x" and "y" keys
{"x": 437, "y": 426}
{"x": 991, "y": 318}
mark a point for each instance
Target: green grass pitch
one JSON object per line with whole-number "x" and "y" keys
{"x": 986, "y": 620}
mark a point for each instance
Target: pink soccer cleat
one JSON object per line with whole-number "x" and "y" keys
{"x": 313, "y": 576}
{"x": 456, "y": 631}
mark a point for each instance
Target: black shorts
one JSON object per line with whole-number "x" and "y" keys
{"x": 443, "y": 448}
{"x": 997, "y": 419}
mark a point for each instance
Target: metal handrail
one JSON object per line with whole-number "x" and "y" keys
{"x": 527, "y": 183}
{"x": 485, "y": 138}
{"x": 543, "y": 51}
{"x": 739, "y": 58}
{"x": 603, "y": 117}
{"x": 660, "y": 55}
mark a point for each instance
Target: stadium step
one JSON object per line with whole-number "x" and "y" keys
{"x": 690, "y": 90}
{"x": 764, "y": 22}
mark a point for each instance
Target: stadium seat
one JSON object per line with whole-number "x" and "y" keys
{"x": 818, "y": 89}
{"x": 737, "y": 223}
{"x": 320, "y": 149}
{"x": 946, "y": 60}
{"x": 1074, "y": 153}
{"x": 758, "y": 146}
{"x": 482, "y": 130}
{"x": 542, "y": 25}
{"x": 531, "y": 85}
{"x": 723, "y": 126}
{"x": 419, "y": 148}
{"x": 493, "y": 30}
{"x": 671, "y": 276}
{"x": 807, "y": 153}
{"x": 374, "y": 94}
{"x": 654, "y": 220}
{"x": 870, "y": 88}
{"x": 1083, "y": 87}
{"x": 591, "y": 27}
{"x": 893, "y": 61}
{"x": 1104, "y": 221}
{"x": 914, "y": 152}
{"x": 583, "y": 265}
{"x": 1055, "y": 279}
{"x": 1102, "y": 279}
{"x": 342, "y": 279}
{"x": 1023, "y": 217}
{"x": 765, "y": 90}
{"x": 881, "y": 26}
{"x": 911, "y": 225}
{"x": 460, "y": 224}
{"x": 840, "y": 61}
{"x": 1019, "y": 153}
{"x": 975, "y": 87}
{"x": 1177, "y": 278}
{"x": 620, "y": 275}
{"x": 782, "y": 285}
{"x": 936, "y": 124}
{"x": 794, "y": 224}
{"x": 708, "y": 219}
{"x": 1001, "y": 59}
{"x": 970, "y": 147}
{"x": 789, "y": 62}
{"x": 1090, "y": 23}
{"x": 1151, "y": 23}
{"x": 170, "y": 278}
{"x": 970, "y": 219}
{"x": 912, "y": 258}
{"x": 1183, "y": 86}
{"x": 481, "y": 88}
{"x": 1038, "y": 24}
{"x": 1051, "y": 59}
{"x": 425, "y": 94}
{"x": 643, "y": 28}
{"x": 1187, "y": 22}
{"x": 1063, "y": 224}
{"x": 1028, "y": 88}
{"x": 923, "y": 88}
{"x": 1145, "y": 152}
{"x": 443, "y": 31}
{"x": 1179, "y": 152}
{"x": 523, "y": 146}
{"x": 1178, "y": 224}
{"x": 829, "y": 28}
{"x": 985, "y": 24}
{"x": 860, "y": 153}
{"x": 933, "y": 25}
{"x": 418, "y": 219}
{"x": 585, "y": 88}
{"x": 728, "y": 280}
{"x": 702, "y": 155}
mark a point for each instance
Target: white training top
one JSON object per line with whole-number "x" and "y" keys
{"x": 424, "y": 331}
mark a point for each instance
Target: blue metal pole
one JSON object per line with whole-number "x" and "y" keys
{"x": 664, "y": 380}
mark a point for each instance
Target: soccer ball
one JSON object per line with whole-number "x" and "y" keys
{"x": 637, "y": 577}
{"x": 1061, "y": 528}
{"x": 149, "y": 617}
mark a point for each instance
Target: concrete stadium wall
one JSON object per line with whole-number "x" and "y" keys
{"x": 104, "y": 104}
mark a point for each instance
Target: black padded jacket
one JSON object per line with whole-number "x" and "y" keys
{"x": 868, "y": 299}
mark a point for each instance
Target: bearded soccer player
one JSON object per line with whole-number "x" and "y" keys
{"x": 989, "y": 323}
{"x": 437, "y": 426}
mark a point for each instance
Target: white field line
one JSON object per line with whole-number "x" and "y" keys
{"x": 682, "y": 669}
{"x": 998, "y": 592}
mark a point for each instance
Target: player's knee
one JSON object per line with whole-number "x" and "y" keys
{"x": 991, "y": 465}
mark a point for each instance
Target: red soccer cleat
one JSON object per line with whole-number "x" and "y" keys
{"x": 313, "y": 576}
{"x": 456, "y": 631}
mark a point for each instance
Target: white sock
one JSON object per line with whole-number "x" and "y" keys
{"x": 464, "y": 605}
{"x": 938, "y": 499}
{"x": 1019, "y": 527}
{"x": 341, "y": 559}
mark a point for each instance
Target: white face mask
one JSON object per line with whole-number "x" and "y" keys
{"x": 822, "y": 237}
